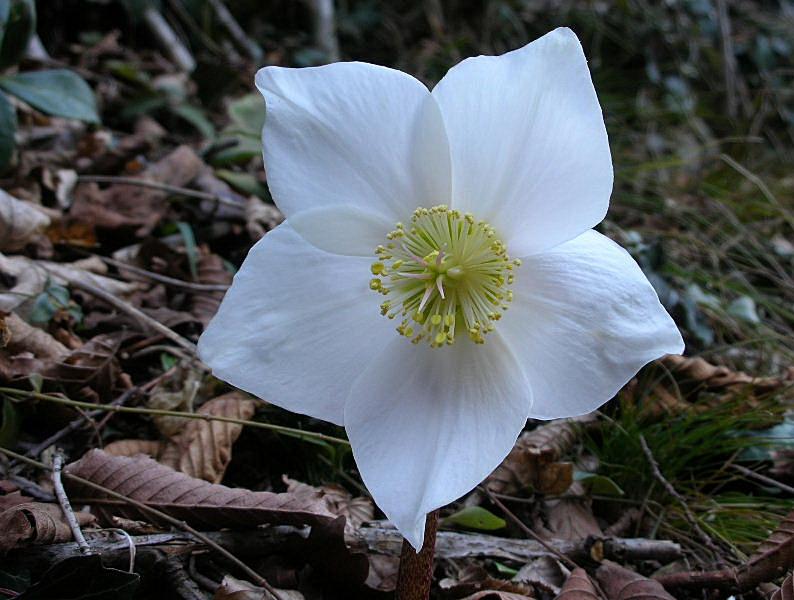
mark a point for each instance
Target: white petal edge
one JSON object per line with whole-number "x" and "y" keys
{"x": 584, "y": 319}
{"x": 427, "y": 425}
{"x": 345, "y": 230}
{"x": 353, "y": 134}
{"x": 529, "y": 147}
{"x": 297, "y": 326}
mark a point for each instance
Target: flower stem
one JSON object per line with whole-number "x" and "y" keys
{"x": 416, "y": 569}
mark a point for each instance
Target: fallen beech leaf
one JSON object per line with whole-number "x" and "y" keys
{"x": 204, "y": 305}
{"x": 622, "y": 584}
{"x": 571, "y": 519}
{"x": 204, "y": 448}
{"x": 183, "y": 497}
{"x": 338, "y": 500}
{"x": 786, "y": 590}
{"x": 578, "y": 587}
{"x": 20, "y": 222}
{"x": 36, "y": 523}
{"x": 774, "y": 556}
{"x": 94, "y": 364}
{"x": 383, "y": 571}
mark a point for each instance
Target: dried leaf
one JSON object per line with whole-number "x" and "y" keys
{"x": 474, "y": 580}
{"x": 23, "y": 337}
{"x": 571, "y": 519}
{"x": 772, "y": 559}
{"x": 204, "y": 448}
{"x": 260, "y": 217}
{"x": 578, "y": 587}
{"x": 621, "y": 584}
{"x": 545, "y": 573}
{"x": 497, "y": 595}
{"x": 211, "y": 270}
{"x": 20, "y": 222}
{"x": 94, "y": 364}
{"x": 122, "y": 205}
{"x": 193, "y": 500}
{"x": 134, "y": 447}
{"x": 232, "y": 588}
{"x": 383, "y": 571}
{"x": 533, "y": 461}
{"x": 786, "y": 590}
{"x": 36, "y": 523}
{"x": 338, "y": 500}
{"x": 163, "y": 398}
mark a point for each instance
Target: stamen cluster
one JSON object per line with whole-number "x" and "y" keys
{"x": 443, "y": 274}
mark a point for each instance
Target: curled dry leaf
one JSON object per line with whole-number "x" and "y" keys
{"x": 163, "y": 398}
{"x": 22, "y": 337}
{"x": 260, "y": 217}
{"x": 211, "y": 270}
{"x": 339, "y": 501}
{"x": 20, "y": 222}
{"x": 786, "y": 590}
{"x": 94, "y": 364}
{"x": 622, "y": 584}
{"x": 578, "y": 587}
{"x": 533, "y": 461}
{"x": 36, "y": 523}
{"x": 183, "y": 497}
{"x": 545, "y": 573}
{"x": 204, "y": 448}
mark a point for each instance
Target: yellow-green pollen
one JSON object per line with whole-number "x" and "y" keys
{"x": 444, "y": 274}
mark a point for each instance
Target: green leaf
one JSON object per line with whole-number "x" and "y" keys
{"x": 248, "y": 114}
{"x": 598, "y": 484}
{"x": 18, "y": 23}
{"x": 243, "y": 182}
{"x": 245, "y": 148}
{"x": 56, "y": 92}
{"x": 475, "y": 517}
{"x": 196, "y": 117}
{"x": 8, "y": 127}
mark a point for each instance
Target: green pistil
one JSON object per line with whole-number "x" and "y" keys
{"x": 444, "y": 274}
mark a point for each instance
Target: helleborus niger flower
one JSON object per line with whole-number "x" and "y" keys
{"x": 437, "y": 280}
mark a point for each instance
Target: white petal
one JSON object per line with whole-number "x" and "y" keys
{"x": 583, "y": 321}
{"x": 297, "y": 326}
{"x": 529, "y": 148}
{"x": 343, "y": 229}
{"x": 429, "y": 424}
{"x": 353, "y": 134}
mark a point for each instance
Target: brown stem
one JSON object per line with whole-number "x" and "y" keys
{"x": 416, "y": 569}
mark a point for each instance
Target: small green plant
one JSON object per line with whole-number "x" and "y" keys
{"x": 56, "y": 92}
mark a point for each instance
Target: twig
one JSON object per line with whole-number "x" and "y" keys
{"x": 155, "y": 185}
{"x": 188, "y": 285}
{"x": 510, "y": 515}
{"x": 167, "y": 37}
{"x": 77, "y": 423}
{"x": 690, "y": 517}
{"x": 300, "y": 433}
{"x": 66, "y": 507}
{"x": 236, "y": 32}
{"x": 759, "y": 183}
{"x": 763, "y": 478}
{"x": 258, "y": 579}
{"x": 415, "y": 576}
{"x": 145, "y": 320}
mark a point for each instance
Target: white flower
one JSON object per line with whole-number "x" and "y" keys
{"x": 506, "y": 158}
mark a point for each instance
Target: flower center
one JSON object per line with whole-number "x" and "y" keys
{"x": 444, "y": 274}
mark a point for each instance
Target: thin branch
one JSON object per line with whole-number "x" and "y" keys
{"x": 256, "y": 577}
{"x": 763, "y": 478}
{"x": 300, "y": 433}
{"x": 156, "y": 185}
{"x": 236, "y": 32}
{"x": 188, "y": 285}
{"x": 66, "y": 507}
{"x": 169, "y": 40}
{"x": 690, "y": 517}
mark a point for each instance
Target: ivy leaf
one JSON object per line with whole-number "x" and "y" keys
{"x": 56, "y": 92}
